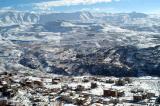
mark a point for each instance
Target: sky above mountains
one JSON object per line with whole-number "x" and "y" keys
{"x": 109, "y": 6}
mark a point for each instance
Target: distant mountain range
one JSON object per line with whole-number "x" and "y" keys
{"x": 17, "y": 17}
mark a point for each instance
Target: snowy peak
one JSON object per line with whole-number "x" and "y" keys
{"x": 76, "y": 16}
{"x": 118, "y": 19}
{"x": 16, "y": 17}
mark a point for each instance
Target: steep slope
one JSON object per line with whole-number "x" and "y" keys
{"x": 16, "y": 17}
{"x": 76, "y": 16}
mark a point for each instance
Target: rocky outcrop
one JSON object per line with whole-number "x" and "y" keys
{"x": 28, "y": 62}
{"x": 123, "y": 61}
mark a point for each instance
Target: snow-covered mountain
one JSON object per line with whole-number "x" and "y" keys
{"x": 76, "y": 16}
{"x": 81, "y": 42}
{"x": 17, "y": 17}
{"x": 132, "y": 21}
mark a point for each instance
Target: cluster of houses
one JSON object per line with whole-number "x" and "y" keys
{"x": 18, "y": 90}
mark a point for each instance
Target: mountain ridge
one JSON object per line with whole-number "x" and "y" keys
{"x": 18, "y": 17}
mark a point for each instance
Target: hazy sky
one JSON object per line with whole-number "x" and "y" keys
{"x": 147, "y": 6}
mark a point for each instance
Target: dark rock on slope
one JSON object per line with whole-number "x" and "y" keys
{"x": 119, "y": 61}
{"x": 122, "y": 61}
{"x": 29, "y": 62}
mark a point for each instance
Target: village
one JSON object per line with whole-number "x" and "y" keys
{"x": 20, "y": 89}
